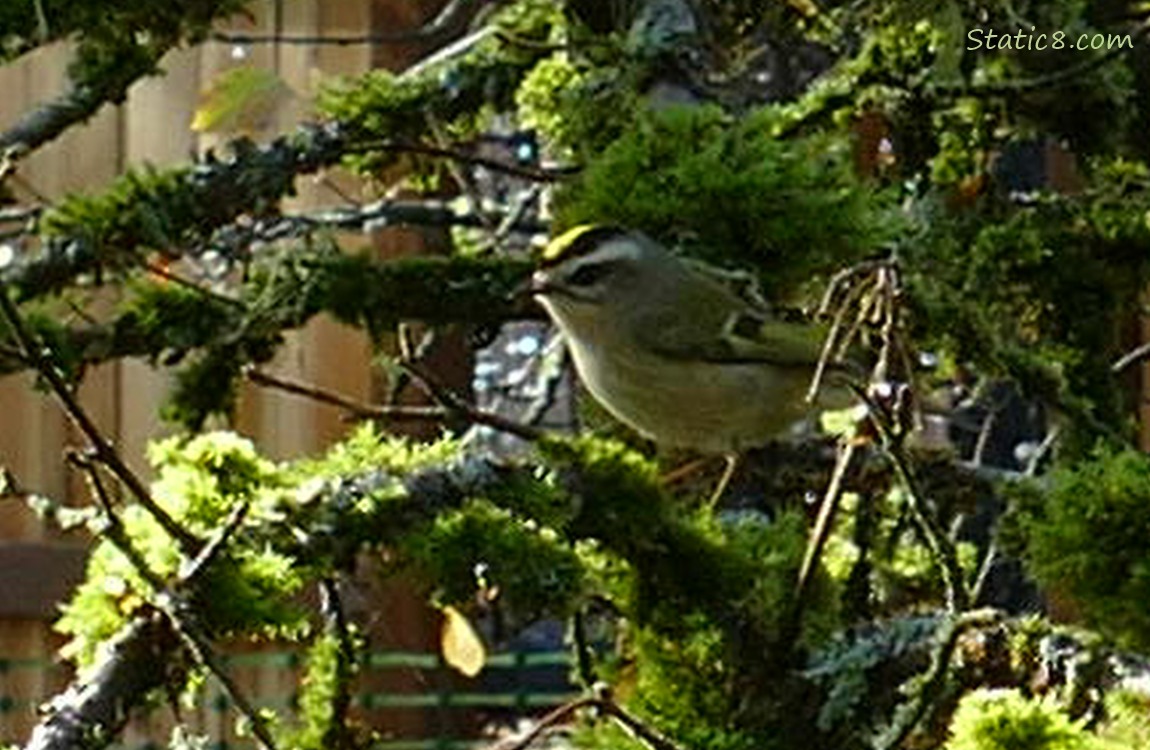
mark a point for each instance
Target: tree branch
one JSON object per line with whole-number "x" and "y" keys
{"x": 465, "y": 409}
{"x": 351, "y": 406}
{"x": 96, "y": 707}
{"x": 496, "y": 165}
{"x": 40, "y": 358}
{"x": 83, "y": 101}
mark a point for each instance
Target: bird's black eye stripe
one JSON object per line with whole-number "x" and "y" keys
{"x": 747, "y": 326}
{"x": 589, "y": 273}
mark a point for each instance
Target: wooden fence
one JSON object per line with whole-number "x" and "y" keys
{"x": 456, "y": 714}
{"x": 37, "y": 565}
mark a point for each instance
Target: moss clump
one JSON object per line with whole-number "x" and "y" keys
{"x": 1006, "y": 720}
{"x": 731, "y": 193}
{"x": 248, "y": 590}
{"x": 1084, "y": 537}
{"x": 482, "y": 546}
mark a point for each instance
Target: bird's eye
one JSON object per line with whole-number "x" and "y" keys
{"x": 589, "y": 274}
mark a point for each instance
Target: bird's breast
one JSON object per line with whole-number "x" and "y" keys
{"x": 708, "y": 406}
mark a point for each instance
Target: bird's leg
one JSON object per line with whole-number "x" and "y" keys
{"x": 691, "y": 467}
{"x": 732, "y": 461}
{"x": 674, "y": 476}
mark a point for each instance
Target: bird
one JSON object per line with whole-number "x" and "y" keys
{"x": 673, "y": 348}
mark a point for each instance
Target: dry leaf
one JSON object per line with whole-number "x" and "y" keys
{"x": 461, "y": 646}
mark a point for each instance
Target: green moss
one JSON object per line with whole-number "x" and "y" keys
{"x": 704, "y": 602}
{"x": 1084, "y": 537}
{"x": 1005, "y": 720}
{"x": 247, "y": 591}
{"x": 730, "y": 193}
{"x": 328, "y": 672}
{"x": 483, "y": 546}
{"x": 578, "y": 107}
{"x": 384, "y": 106}
{"x": 1127, "y": 724}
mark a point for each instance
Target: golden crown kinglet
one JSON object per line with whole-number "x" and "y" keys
{"x": 668, "y": 347}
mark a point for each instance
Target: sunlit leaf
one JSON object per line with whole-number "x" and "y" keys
{"x": 241, "y": 100}
{"x": 461, "y": 646}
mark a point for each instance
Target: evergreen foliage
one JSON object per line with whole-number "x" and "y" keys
{"x": 792, "y": 142}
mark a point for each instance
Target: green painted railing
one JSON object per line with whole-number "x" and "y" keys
{"x": 216, "y": 712}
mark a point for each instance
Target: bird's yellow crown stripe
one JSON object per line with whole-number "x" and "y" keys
{"x": 577, "y": 241}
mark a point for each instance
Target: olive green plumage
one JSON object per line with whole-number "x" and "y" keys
{"x": 670, "y": 348}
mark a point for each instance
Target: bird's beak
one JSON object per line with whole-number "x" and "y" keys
{"x": 539, "y": 285}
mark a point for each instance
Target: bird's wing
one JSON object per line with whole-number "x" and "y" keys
{"x": 733, "y": 334}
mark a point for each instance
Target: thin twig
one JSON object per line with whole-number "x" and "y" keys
{"x": 560, "y": 715}
{"x": 636, "y": 728}
{"x": 829, "y": 342}
{"x": 940, "y": 546}
{"x": 101, "y": 447}
{"x": 984, "y": 432}
{"x": 183, "y": 619}
{"x": 348, "y": 404}
{"x": 212, "y": 550}
{"x": 1040, "y": 452}
{"x": 184, "y": 623}
{"x": 535, "y": 174}
{"x": 463, "y": 180}
{"x": 114, "y": 530}
{"x": 605, "y": 705}
{"x": 585, "y": 662}
{"x": 175, "y": 278}
{"x": 534, "y": 45}
{"x": 514, "y": 218}
{"x": 984, "y": 570}
{"x": 433, "y": 213}
{"x": 819, "y": 537}
{"x": 410, "y": 357}
{"x": 465, "y": 409}
{"x": 1135, "y": 355}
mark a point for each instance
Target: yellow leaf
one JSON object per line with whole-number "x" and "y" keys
{"x": 242, "y": 100}
{"x": 462, "y": 649}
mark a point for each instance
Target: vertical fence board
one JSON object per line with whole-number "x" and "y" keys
{"x": 153, "y": 127}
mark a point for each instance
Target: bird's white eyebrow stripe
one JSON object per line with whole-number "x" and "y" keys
{"x": 610, "y": 252}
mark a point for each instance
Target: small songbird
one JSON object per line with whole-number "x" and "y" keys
{"x": 671, "y": 348}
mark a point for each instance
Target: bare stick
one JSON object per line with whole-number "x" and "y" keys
{"x": 825, "y": 521}
{"x": 183, "y": 619}
{"x": 562, "y": 715}
{"x": 496, "y": 165}
{"x": 408, "y": 359}
{"x": 940, "y": 546}
{"x": 102, "y": 449}
{"x": 1135, "y": 355}
{"x": 792, "y": 626}
{"x": 459, "y": 405}
{"x": 348, "y": 404}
